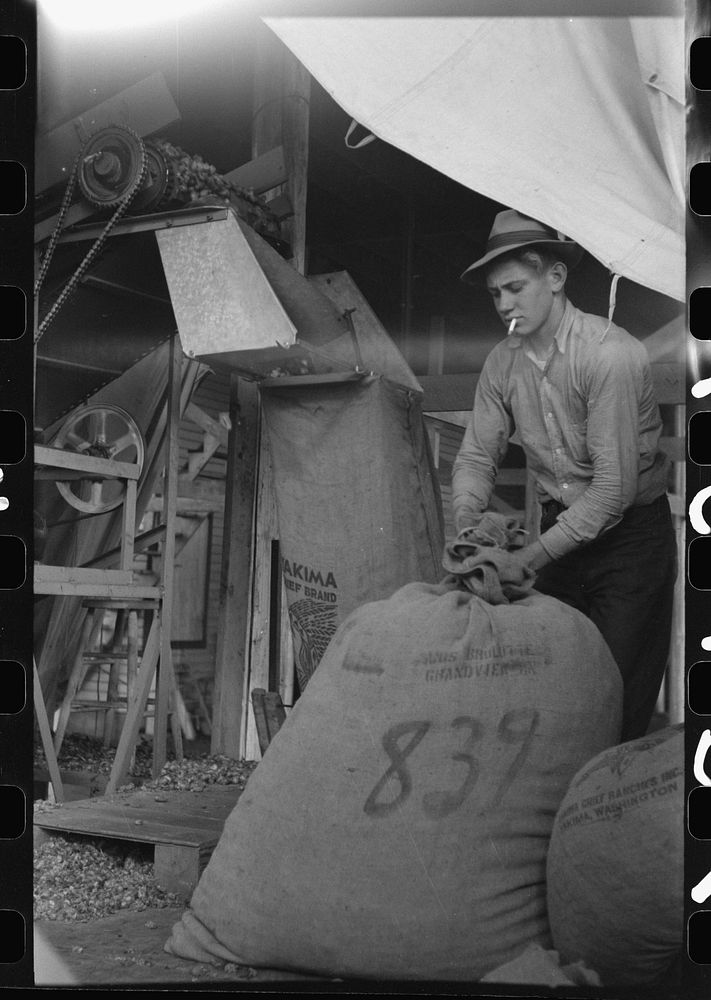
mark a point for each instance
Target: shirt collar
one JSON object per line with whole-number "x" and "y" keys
{"x": 561, "y": 334}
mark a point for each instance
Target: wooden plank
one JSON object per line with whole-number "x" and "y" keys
{"x": 124, "y": 823}
{"x": 57, "y": 458}
{"x": 275, "y": 713}
{"x": 170, "y": 816}
{"x": 79, "y": 575}
{"x": 264, "y": 172}
{"x": 177, "y": 869}
{"x": 146, "y": 107}
{"x": 128, "y": 526}
{"x": 266, "y": 531}
{"x": 89, "y": 633}
{"x": 260, "y": 718}
{"x": 229, "y": 709}
{"x": 110, "y": 590}
{"x": 281, "y": 95}
{"x": 295, "y": 136}
{"x": 207, "y": 423}
{"x": 46, "y": 735}
{"x": 140, "y": 542}
{"x": 166, "y": 678}
{"x": 136, "y": 707}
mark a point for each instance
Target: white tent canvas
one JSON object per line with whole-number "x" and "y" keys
{"x": 578, "y": 122}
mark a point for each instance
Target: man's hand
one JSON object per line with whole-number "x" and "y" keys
{"x": 533, "y": 556}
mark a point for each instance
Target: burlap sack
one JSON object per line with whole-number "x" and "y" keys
{"x": 357, "y": 499}
{"x": 616, "y": 861}
{"x": 397, "y": 826}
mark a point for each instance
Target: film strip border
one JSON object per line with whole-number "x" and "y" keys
{"x": 698, "y": 489}
{"x": 18, "y": 53}
{"x": 17, "y": 117}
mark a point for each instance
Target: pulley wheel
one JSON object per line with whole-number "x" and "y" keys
{"x": 112, "y": 161}
{"x": 103, "y": 431}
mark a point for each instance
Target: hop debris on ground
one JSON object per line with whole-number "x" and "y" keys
{"x": 80, "y": 879}
{"x": 195, "y": 773}
{"x": 86, "y": 753}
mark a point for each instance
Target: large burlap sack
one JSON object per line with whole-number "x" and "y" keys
{"x": 616, "y": 861}
{"x": 357, "y": 498}
{"x": 397, "y": 826}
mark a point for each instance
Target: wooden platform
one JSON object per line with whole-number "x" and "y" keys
{"x": 184, "y": 827}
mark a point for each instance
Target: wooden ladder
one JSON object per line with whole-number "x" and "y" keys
{"x": 89, "y": 653}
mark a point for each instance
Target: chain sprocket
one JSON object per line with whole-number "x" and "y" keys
{"x": 112, "y": 163}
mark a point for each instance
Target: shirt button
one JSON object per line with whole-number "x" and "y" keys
{"x": 550, "y": 416}
{"x": 564, "y": 485}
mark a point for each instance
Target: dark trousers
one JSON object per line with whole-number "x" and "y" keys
{"x": 624, "y": 582}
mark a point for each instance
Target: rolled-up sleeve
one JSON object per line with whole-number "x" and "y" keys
{"x": 614, "y": 387}
{"x": 483, "y": 446}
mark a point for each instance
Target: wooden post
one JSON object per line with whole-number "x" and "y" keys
{"x": 136, "y": 707}
{"x": 165, "y": 678}
{"x": 46, "y": 736}
{"x": 282, "y": 88}
{"x": 260, "y": 591}
{"x": 89, "y": 632}
{"x": 229, "y": 706}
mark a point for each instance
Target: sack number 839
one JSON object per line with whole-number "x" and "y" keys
{"x": 517, "y": 727}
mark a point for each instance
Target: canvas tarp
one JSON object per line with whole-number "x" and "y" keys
{"x": 578, "y": 122}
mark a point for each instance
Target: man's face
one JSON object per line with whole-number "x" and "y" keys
{"x": 520, "y": 293}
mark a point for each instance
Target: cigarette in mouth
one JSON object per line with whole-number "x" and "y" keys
{"x": 512, "y": 325}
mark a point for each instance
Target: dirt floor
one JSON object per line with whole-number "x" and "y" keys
{"x": 127, "y": 949}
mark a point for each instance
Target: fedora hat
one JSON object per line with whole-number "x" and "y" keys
{"x": 511, "y": 231}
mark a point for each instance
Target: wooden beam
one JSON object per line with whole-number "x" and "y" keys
{"x": 135, "y": 709}
{"x": 46, "y": 735}
{"x": 166, "y": 679}
{"x": 211, "y": 426}
{"x": 47, "y": 575}
{"x": 141, "y": 542}
{"x": 263, "y": 173}
{"x": 57, "y": 458}
{"x": 282, "y": 88}
{"x": 266, "y": 531}
{"x": 115, "y": 591}
{"x": 231, "y": 655}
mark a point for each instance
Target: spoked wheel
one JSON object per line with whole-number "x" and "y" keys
{"x": 103, "y": 431}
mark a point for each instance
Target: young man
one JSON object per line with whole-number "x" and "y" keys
{"x": 579, "y": 392}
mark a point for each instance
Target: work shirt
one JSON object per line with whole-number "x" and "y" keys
{"x": 587, "y": 419}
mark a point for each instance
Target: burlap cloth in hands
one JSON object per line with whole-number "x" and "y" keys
{"x": 480, "y": 559}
